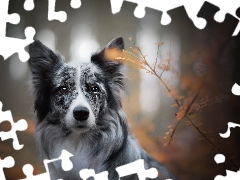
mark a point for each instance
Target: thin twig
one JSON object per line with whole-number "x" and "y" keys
{"x": 159, "y": 77}
{"x": 155, "y": 65}
{"x": 193, "y": 100}
{"x": 171, "y": 137}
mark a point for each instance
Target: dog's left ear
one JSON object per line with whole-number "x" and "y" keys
{"x": 116, "y": 43}
{"x": 107, "y": 55}
{"x": 105, "y": 58}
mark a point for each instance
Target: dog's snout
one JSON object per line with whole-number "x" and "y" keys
{"x": 81, "y": 113}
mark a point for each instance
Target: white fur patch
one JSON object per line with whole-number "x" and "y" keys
{"x": 79, "y": 101}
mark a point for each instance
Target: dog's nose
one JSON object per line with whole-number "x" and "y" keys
{"x": 81, "y": 113}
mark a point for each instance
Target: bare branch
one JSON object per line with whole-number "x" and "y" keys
{"x": 159, "y": 76}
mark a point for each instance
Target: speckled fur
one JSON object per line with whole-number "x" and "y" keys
{"x": 104, "y": 141}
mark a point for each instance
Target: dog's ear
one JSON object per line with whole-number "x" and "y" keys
{"x": 42, "y": 59}
{"x": 105, "y": 57}
{"x": 43, "y": 63}
{"x": 116, "y": 43}
{"x": 106, "y": 60}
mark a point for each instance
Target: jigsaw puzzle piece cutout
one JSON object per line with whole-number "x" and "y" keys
{"x": 139, "y": 11}
{"x": 19, "y": 7}
{"x": 28, "y": 171}
{"x": 52, "y": 175}
{"x": 7, "y": 162}
{"x": 12, "y": 18}
{"x": 29, "y": 5}
{"x": 220, "y": 15}
{"x": 53, "y": 15}
{"x": 166, "y": 19}
{"x": 75, "y": 4}
{"x": 66, "y": 163}
{"x": 87, "y": 173}
{"x": 7, "y": 48}
{"x": 128, "y": 6}
{"x": 191, "y": 6}
{"x": 65, "y": 171}
{"x": 230, "y": 125}
{"x": 238, "y": 12}
{"x": 63, "y": 159}
{"x": 219, "y": 158}
{"x": 180, "y": 19}
{"x": 20, "y": 125}
{"x": 45, "y": 9}
{"x": 116, "y": 5}
{"x": 22, "y": 53}
{"x": 174, "y": 13}
{"x": 236, "y": 89}
{"x": 137, "y": 167}
{"x": 237, "y": 30}
{"x": 151, "y": 19}
{"x": 210, "y": 9}
{"x": 230, "y": 22}
{"x": 231, "y": 175}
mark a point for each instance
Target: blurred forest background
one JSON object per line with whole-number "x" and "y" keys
{"x": 200, "y": 68}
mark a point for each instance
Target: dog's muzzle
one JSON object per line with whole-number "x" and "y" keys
{"x": 81, "y": 113}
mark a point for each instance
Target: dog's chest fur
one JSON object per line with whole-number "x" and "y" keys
{"x": 100, "y": 154}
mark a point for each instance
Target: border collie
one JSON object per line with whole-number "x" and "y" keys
{"x": 78, "y": 108}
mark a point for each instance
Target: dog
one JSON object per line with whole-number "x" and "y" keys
{"x": 78, "y": 108}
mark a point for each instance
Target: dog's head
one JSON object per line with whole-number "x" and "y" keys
{"x": 75, "y": 97}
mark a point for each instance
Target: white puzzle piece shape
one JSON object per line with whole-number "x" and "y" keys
{"x": 29, "y": 5}
{"x": 137, "y": 167}
{"x": 66, "y": 166}
{"x": 87, "y": 173}
{"x": 20, "y": 125}
{"x": 7, "y": 162}
{"x": 7, "y": 48}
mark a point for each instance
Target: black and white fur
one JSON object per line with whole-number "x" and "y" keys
{"x": 79, "y": 109}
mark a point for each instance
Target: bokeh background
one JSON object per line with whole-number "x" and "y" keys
{"x": 203, "y": 63}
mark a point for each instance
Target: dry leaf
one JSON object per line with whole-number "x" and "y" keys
{"x": 135, "y": 50}
{"x": 160, "y": 43}
{"x": 180, "y": 97}
{"x": 174, "y": 105}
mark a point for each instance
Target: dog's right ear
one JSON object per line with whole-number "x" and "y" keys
{"x": 42, "y": 59}
{"x": 43, "y": 64}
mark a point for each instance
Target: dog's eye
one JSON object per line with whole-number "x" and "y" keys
{"x": 63, "y": 89}
{"x": 94, "y": 89}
